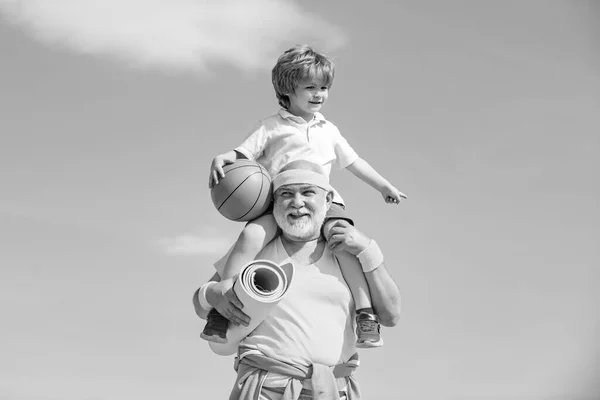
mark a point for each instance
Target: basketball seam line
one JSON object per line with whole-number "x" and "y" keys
{"x": 236, "y": 188}
{"x": 262, "y": 183}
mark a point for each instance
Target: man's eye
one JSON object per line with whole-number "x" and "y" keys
{"x": 309, "y": 192}
{"x": 310, "y": 87}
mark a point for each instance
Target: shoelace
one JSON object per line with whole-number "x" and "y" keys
{"x": 217, "y": 321}
{"x": 369, "y": 326}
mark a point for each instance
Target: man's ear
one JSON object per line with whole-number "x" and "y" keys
{"x": 329, "y": 199}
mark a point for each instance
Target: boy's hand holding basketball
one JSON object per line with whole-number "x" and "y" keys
{"x": 391, "y": 195}
{"x": 216, "y": 167}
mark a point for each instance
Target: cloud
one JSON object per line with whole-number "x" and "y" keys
{"x": 174, "y": 34}
{"x": 186, "y": 245}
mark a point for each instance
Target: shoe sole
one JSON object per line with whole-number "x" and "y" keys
{"x": 369, "y": 344}
{"x": 213, "y": 338}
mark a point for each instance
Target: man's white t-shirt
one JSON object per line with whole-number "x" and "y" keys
{"x": 314, "y": 322}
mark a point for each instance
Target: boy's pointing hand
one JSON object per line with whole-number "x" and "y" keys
{"x": 391, "y": 195}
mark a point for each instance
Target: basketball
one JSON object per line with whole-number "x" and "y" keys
{"x": 244, "y": 193}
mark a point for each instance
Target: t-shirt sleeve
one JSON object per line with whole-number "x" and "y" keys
{"x": 344, "y": 153}
{"x": 254, "y": 144}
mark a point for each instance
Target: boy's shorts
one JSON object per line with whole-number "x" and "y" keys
{"x": 338, "y": 211}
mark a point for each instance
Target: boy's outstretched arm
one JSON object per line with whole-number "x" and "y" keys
{"x": 363, "y": 170}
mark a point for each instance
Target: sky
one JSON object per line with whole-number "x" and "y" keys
{"x": 486, "y": 114}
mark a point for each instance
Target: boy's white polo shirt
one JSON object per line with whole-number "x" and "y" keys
{"x": 284, "y": 137}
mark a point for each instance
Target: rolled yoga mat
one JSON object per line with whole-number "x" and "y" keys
{"x": 260, "y": 286}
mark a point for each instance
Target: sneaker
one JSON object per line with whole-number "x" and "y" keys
{"x": 368, "y": 330}
{"x": 216, "y": 327}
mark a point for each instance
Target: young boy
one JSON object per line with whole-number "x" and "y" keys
{"x": 302, "y": 78}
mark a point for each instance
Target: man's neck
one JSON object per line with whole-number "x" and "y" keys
{"x": 304, "y": 252}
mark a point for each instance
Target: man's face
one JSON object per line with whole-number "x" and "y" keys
{"x": 300, "y": 210}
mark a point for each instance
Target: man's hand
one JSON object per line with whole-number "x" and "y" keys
{"x": 216, "y": 167}
{"x": 391, "y": 195}
{"x": 344, "y": 236}
{"x": 222, "y": 297}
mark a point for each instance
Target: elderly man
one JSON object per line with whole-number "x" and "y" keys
{"x": 305, "y": 349}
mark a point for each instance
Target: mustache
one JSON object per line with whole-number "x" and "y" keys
{"x": 298, "y": 213}
{"x": 305, "y": 227}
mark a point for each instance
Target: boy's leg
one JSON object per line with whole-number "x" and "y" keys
{"x": 368, "y": 328}
{"x": 253, "y": 238}
{"x": 356, "y": 281}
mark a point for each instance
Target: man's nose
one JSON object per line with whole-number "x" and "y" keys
{"x": 297, "y": 200}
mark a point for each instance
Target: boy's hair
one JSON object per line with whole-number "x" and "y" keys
{"x": 297, "y": 64}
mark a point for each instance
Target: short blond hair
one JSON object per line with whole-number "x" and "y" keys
{"x": 296, "y": 65}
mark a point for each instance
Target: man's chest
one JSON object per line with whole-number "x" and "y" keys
{"x": 319, "y": 285}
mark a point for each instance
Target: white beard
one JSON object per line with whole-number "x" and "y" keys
{"x": 306, "y": 228}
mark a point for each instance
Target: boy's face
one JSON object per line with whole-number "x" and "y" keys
{"x": 308, "y": 98}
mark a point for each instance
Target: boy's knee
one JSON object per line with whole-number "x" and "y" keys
{"x": 258, "y": 233}
{"x": 252, "y": 233}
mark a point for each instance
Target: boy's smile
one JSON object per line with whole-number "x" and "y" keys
{"x": 308, "y": 98}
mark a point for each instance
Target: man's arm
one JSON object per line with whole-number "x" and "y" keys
{"x": 201, "y": 311}
{"x": 385, "y": 294}
{"x": 222, "y": 297}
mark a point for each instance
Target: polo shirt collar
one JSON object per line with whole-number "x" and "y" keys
{"x": 285, "y": 114}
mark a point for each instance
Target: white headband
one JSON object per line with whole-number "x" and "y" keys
{"x": 299, "y": 176}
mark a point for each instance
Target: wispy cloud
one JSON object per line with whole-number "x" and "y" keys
{"x": 192, "y": 244}
{"x": 174, "y": 34}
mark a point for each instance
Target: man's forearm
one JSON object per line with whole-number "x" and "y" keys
{"x": 385, "y": 295}
{"x": 366, "y": 173}
{"x": 202, "y": 312}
